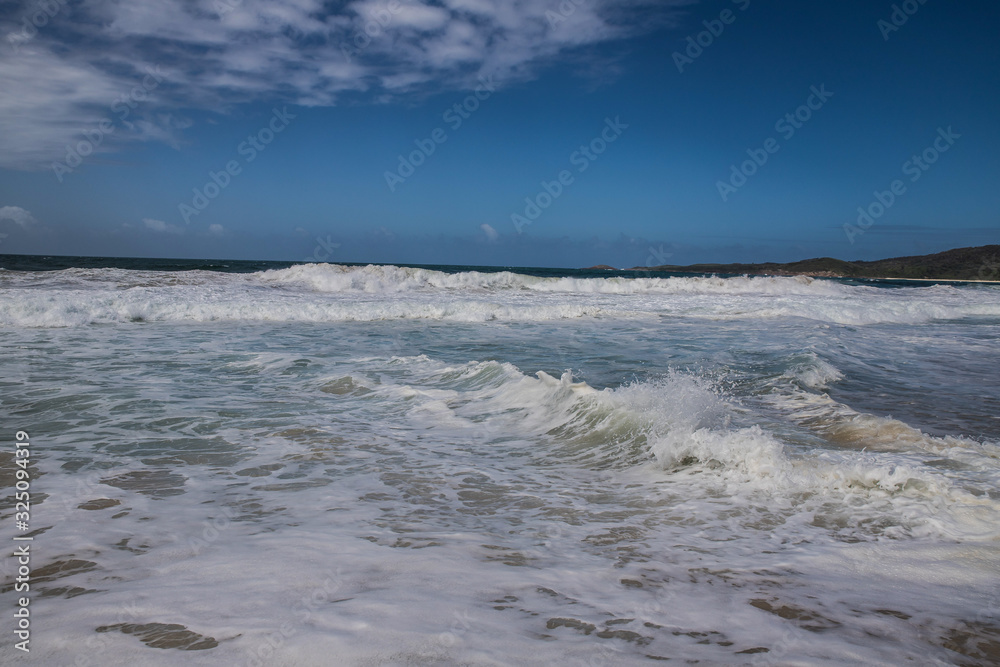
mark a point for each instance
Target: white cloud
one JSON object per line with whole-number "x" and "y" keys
{"x": 161, "y": 227}
{"x": 216, "y": 230}
{"x": 63, "y": 80}
{"x": 17, "y": 215}
{"x": 491, "y": 233}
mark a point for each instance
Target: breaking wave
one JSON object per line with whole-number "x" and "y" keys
{"x": 685, "y": 427}
{"x": 333, "y": 293}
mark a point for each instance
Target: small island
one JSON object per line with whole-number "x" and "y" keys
{"x": 979, "y": 264}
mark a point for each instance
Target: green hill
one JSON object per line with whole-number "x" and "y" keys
{"x": 981, "y": 263}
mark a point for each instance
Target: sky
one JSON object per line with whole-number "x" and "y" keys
{"x": 563, "y": 133}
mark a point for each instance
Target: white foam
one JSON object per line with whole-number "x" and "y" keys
{"x": 332, "y": 293}
{"x": 379, "y": 279}
{"x": 681, "y": 424}
{"x": 411, "y": 510}
{"x": 814, "y": 372}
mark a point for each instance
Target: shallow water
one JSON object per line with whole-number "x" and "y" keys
{"x": 391, "y": 466}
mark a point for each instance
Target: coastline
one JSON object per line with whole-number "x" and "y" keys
{"x": 932, "y": 280}
{"x": 980, "y": 265}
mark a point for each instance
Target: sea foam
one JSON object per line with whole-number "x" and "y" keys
{"x": 332, "y": 293}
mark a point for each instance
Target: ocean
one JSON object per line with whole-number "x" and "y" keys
{"x": 245, "y": 463}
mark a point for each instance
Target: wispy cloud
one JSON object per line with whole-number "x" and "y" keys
{"x": 491, "y": 233}
{"x": 217, "y": 53}
{"x": 17, "y": 215}
{"x": 161, "y": 226}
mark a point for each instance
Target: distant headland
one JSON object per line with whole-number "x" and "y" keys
{"x": 966, "y": 264}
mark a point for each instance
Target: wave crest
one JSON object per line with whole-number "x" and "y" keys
{"x": 393, "y": 279}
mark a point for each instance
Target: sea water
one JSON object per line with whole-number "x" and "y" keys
{"x": 379, "y": 465}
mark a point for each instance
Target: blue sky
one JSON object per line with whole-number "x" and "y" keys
{"x": 563, "y": 133}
